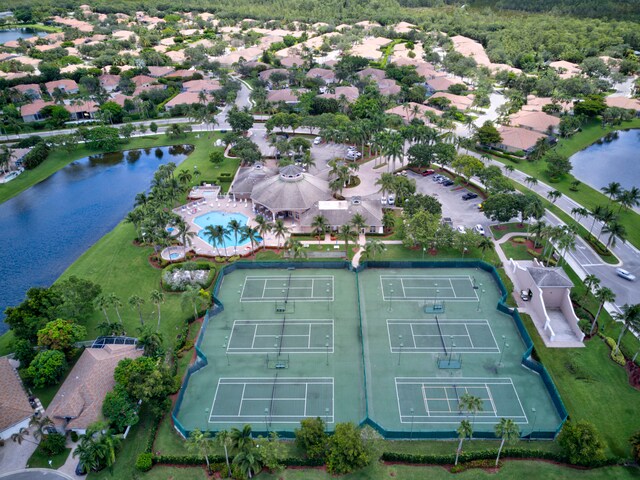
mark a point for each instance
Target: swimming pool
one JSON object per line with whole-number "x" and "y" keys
{"x": 221, "y": 218}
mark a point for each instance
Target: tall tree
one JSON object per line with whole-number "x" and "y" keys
{"x": 200, "y": 443}
{"x": 464, "y": 431}
{"x": 507, "y": 430}
{"x": 157, "y": 298}
{"x": 136, "y": 302}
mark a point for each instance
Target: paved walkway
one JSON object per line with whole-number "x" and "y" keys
{"x": 13, "y": 456}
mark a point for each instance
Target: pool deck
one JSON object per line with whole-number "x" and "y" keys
{"x": 227, "y": 205}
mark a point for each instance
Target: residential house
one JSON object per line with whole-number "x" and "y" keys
{"x": 350, "y": 93}
{"x": 370, "y": 48}
{"x": 535, "y": 104}
{"x": 439, "y": 84}
{"x": 374, "y": 73}
{"x": 388, "y": 86}
{"x": 265, "y": 76}
{"x": 461, "y": 102}
{"x": 326, "y": 75}
{"x": 160, "y": 71}
{"x": 515, "y": 139}
{"x": 338, "y": 213}
{"x": 411, "y": 110}
{"x": 186, "y": 98}
{"x": 65, "y": 85}
{"x": 285, "y": 95}
{"x": 31, "y": 111}
{"x": 566, "y": 69}
{"x": 109, "y": 82}
{"x": 79, "y": 400}
{"x": 15, "y": 409}
{"x": 143, "y": 80}
{"x": 623, "y": 102}
{"x": 82, "y": 111}
{"x": 207, "y": 85}
{"x": 30, "y": 90}
{"x": 536, "y": 121}
{"x": 184, "y": 73}
{"x": 291, "y": 61}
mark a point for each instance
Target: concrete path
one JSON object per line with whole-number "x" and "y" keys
{"x": 35, "y": 474}
{"x": 14, "y": 456}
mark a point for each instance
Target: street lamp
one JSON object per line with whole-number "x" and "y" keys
{"x": 326, "y": 418}
{"x": 505, "y": 345}
{"x": 479, "y": 297}
{"x": 266, "y": 420}
{"x": 533, "y": 426}
{"x": 400, "y": 351}
{"x": 411, "y": 434}
{"x": 391, "y": 301}
{"x": 424, "y": 249}
{"x": 327, "y": 345}
{"x": 226, "y": 353}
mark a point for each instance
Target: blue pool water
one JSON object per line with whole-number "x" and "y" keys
{"x": 221, "y": 218}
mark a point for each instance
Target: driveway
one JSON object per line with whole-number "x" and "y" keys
{"x": 35, "y": 474}
{"x": 13, "y": 456}
{"x": 461, "y": 212}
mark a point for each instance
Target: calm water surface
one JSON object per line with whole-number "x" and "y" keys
{"x": 47, "y": 227}
{"x": 614, "y": 161}
{"x": 16, "y": 33}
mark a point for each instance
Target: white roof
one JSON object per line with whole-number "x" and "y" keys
{"x": 333, "y": 205}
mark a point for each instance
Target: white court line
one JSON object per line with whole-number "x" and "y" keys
{"x": 493, "y": 405}
{"x": 325, "y": 322}
{"x": 306, "y": 395}
{"x": 253, "y": 342}
{"x": 404, "y": 294}
{"x": 469, "y": 335}
{"x": 241, "y": 399}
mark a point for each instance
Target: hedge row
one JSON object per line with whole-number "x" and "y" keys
{"x": 198, "y": 460}
{"x": 432, "y": 459}
{"x": 36, "y": 156}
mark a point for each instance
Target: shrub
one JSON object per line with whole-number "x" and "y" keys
{"x": 533, "y": 253}
{"x": 312, "y": 437}
{"x": 346, "y": 451}
{"x": 30, "y": 141}
{"x": 461, "y": 467}
{"x": 584, "y": 325}
{"x": 581, "y": 443}
{"x": 177, "y": 276}
{"x": 36, "y": 156}
{"x": 53, "y": 443}
{"x": 74, "y": 436}
{"x": 47, "y": 368}
{"x": 519, "y": 240}
{"x": 144, "y": 462}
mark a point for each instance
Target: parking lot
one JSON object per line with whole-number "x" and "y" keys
{"x": 465, "y": 213}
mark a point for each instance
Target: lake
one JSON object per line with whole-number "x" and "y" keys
{"x": 16, "y": 33}
{"x": 615, "y": 161}
{"x": 47, "y": 227}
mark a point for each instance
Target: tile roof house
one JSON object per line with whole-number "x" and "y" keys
{"x": 536, "y": 121}
{"x": 535, "y": 104}
{"x": 82, "y": 111}
{"x": 109, "y": 82}
{"x": 340, "y": 212}
{"x": 285, "y": 95}
{"x": 31, "y": 90}
{"x": 160, "y": 71}
{"x": 208, "y": 85}
{"x": 459, "y": 101}
{"x": 370, "y": 48}
{"x": 186, "y": 98}
{"x": 66, "y": 85}
{"x": 408, "y": 112}
{"x": 265, "y": 76}
{"x": 566, "y": 69}
{"x": 15, "y": 409}
{"x": 516, "y": 139}
{"x": 374, "y": 73}
{"x": 440, "y": 84}
{"x": 78, "y": 402}
{"x": 291, "y": 61}
{"x": 351, "y": 94}
{"x": 142, "y": 80}
{"x": 388, "y": 86}
{"x": 623, "y": 102}
{"x": 329, "y": 76}
{"x": 31, "y": 111}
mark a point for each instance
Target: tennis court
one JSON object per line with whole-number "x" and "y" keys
{"x": 282, "y": 336}
{"x": 280, "y": 400}
{"x": 437, "y": 400}
{"x": 422, "y": 287}
{"x": 281, "y": 288}
{"x": 458, "y": 335}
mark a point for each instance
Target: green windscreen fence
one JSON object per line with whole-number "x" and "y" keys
{"x": 288, "y": 341}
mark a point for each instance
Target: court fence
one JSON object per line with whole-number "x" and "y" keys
{"x": 527, "y": 360}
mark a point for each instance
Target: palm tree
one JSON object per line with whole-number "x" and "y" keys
{"x": 241, "y": 439}
{"x": 537, "y": 229}
{"x": 185, "y": 234}
{"x": 485, "y": 244}
{"x": 192, "y": 297}
{"x": 223, "y": 438}
{"x": 394, "y": 148}
{"x": 248, "y": 462}
{"x": 579, "y": 213}
{"x": 509, "y": 169}
{"x": 372, "y": 249}
{"x": 200, "y": 443}
{"x": 280, "y": 230}
{"x": 596, "y": 213}
{"x": 264, "y": 227}
{"x": 386, "y": 182}
{"x": 612, "y": 190}
{"x": 157, "y": 298}
{"x": 102, "y": 302}
{"x": 20, "y": 436}
{"x": 508, "y": 431}
{"x": 136, "y": 302}
{"x": 629, "y": 198}
{"x": 471, "y": 404}
{"x": 41, "y": 424}
{"x": 606, "y": 217}
{"x": 464, "y": 431}
{"x": 115, "y": 302}
{"x": 212, "y": 234}
{"x": 234, "y": 227}
{"x": 554, "y": 195}
{"x": 150, "y": 341}
{"x": 347, "y": 233}
{"x": 615, "y": 230}
{"x": 604, "y": 295}
{"x": 251, "y": 234}
{"x": 591, "y": 282}
{"x": 296, "y": 248}
{"x": 630, "y": 318}
{"x": 359, "y": 222}
{"x": 319, "y": 225}
{"x": 531, "y": 181}
{"x": 184, "y": 177}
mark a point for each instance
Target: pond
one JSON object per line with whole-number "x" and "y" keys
{"x": 47, "y": 227}
{"x": 615, "y": 160}
{"x": 16, "y": 33}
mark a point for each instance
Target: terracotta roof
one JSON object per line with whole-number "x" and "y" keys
{"x": 34, "y": 107}
{"x": 406, "y": 112}
{"x": 388, "y": 86}
{"x": 519, "y": 138}
{"x": 160, "y": 71}
{"x": 183, "y": 73}
{"x": 535, "y": 104}
{"x": 440, "y": 83}
{"x": 64, "y": 84}
{"x": 14, "y": 403}
{"x": 208, "y": 85}
{"x": 109, "y": 80}
{"x": 33, "y": 88}
{"x": 140, "y": 80}
{"x": 285, "y": 95}
{"x": 89, "y": 107}
{"x": 324, "y": 73}
{"x": 372, "y": 72}
{"x": 458, "y": 101}
{"x": 291, "y": 61}
{"x": 81, "y": 395}
{"x": 266, "y": 74}
{"x": 538, "y": 121}
{"x": 185, "y": 98}
{"x": 623, "y": 102}
{"x": 350, "y": 93}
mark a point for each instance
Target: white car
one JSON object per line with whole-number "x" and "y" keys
{"x": 621, "y": 272}
{"x": 391, "y": 200}
{"x": 461, "y": 229}
{"x": 317, "y": 140}
{"x": 383, "y": 200}
{"x": 479, "y": 229}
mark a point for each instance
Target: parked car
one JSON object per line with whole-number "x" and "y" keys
{"x": 391, "y": 200}
{"x": 383, "y": 200}
{"x": 317, "y": 140}
{"x": 437, "y": 177}
{"x": 351, "y": 156}
{"x": 80, "y": 471}
{"x": 480, "y": 207}
{"x": 469, "y": 196}
{"x": 621, "y": 272}
{"x": 479, "y": 229}
{"x": 447, "y": 221}
{"x": 428, "y": 172}
{"x": 461, "y": 229}
{"x": 448, "y": 183}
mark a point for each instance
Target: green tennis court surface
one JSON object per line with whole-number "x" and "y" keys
{"x": 398, "y": 347}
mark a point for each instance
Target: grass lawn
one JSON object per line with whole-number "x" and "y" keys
{"x": 5, "y": 343}
{"x": 60, "y": 158}
{"x": 516, "y": 251}
{"x": 39, "y": 459}
{"x": 511, "y": 470}
{"x": 173, "y": 473}
{"x": 593, "y": 388}
{"x": 586, "y": 196}
{"x": 506, "y": 228}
